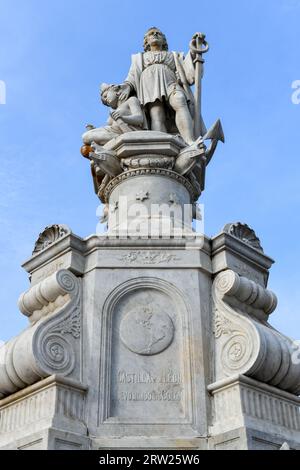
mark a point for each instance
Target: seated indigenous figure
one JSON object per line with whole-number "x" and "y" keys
{"x": 126, "y": 117}
{"x": 161, "y": 80}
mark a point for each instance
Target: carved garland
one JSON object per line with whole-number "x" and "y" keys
{"x": 135, "y": 257}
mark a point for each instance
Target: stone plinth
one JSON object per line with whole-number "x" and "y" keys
{"x": 252, "y": 415}
{"x": 149, "y": 197}
{"x": 148, "y": 343}
{"x": 150, "y": 202}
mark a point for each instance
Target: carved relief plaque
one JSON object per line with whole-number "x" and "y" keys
{"x": 148, "y": 378}
{"x": 146, "y": 331}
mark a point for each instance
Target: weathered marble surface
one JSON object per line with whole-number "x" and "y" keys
{"x": 174, "y": 347}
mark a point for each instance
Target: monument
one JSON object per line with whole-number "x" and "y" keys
{"x": 150, "y": 334}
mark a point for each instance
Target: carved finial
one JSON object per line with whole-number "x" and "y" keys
{"x": 50, "y": 235}
{"x": 244, "y": 233}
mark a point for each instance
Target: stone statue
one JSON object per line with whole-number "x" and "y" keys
{"x": 155, "y": 120}
{"x": 137, "y": 332}
{"x": 126, "y": 117}
{"x": 161, "y": 80}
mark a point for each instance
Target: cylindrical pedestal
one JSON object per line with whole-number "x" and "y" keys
{"x": 150, "y": 202}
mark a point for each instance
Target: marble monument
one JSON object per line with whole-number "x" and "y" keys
{"x": 150, "y": 335}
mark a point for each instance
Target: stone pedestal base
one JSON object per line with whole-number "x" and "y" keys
{"x": 47, "y": 415}
{"x": 148, "y": 343}
{"x": 252, "y": 415}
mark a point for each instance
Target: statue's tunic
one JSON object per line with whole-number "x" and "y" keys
{"x": 158, "y": 78}
{"x": 153, "y": 75}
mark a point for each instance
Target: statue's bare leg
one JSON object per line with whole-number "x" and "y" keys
{"x": 100, "y": 135}
{"x": 183, "y": 117}
{"x": 157, "y": 116}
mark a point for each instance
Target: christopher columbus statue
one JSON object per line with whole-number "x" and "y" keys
{"x": 161, "y": 81}
{"x": 155, "y": 96}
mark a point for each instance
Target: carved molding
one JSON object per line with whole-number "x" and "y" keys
{"x": 148, "y": 161}
{"x": 245, "y": 343}
{"x": 148, "y": 172}
{"x": 243, "y": 397}
{"x": 51, "y": 345}
{"x": 50, "y": 399}
{"x": 50, "y": 235}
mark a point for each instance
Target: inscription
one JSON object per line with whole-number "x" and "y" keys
{"x": 168, "y": 377}
{"x": 164, "y": 395}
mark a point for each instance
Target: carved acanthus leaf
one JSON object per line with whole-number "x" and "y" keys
{"x": 222, "y": 325}
{"x": 72, "y": 324}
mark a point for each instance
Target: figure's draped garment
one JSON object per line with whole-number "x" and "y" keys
{"x": 153, "y": 76}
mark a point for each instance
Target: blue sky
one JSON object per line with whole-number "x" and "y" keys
{"x": 54, "y": 55}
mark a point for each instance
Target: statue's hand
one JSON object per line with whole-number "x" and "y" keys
{"x": 125, "y": 91}
{"x": 115, "y": 115}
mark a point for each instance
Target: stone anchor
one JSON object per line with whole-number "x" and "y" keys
{"x": 198, "y": 153}
{"x": 215, "y": 134}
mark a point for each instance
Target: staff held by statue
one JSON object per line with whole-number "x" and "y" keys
{"x": 198, "y": 47}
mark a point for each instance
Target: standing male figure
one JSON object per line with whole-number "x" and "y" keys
{"x": 161, "y": 80}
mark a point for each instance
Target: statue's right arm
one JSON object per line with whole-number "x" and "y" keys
{"x": 130, "y": 84}
{"x": 131, "y": 77}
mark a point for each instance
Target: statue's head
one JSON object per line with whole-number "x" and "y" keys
{"x": 110, "y": 95}
{"x": 154, "y": 36}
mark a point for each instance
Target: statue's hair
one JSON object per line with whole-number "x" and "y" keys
{"x": 165, "y": 46}
{"x": 104, "y": 89}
